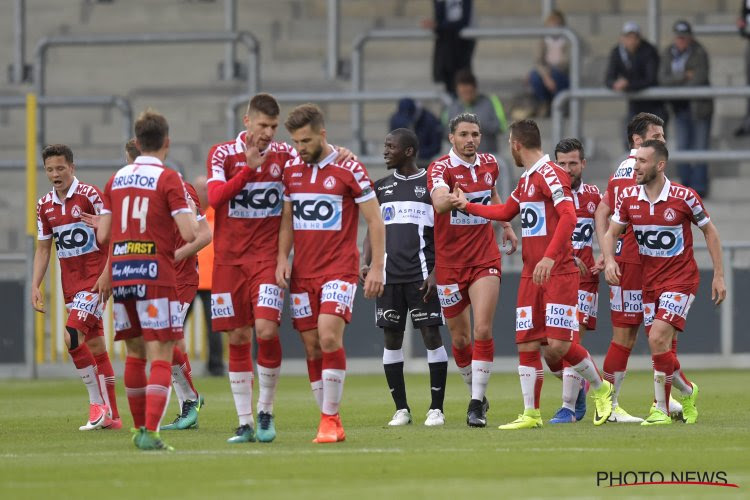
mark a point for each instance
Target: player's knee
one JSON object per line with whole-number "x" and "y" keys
{"x": 266, "y": 330}
{"x": 73, "y": 337}
{"x": 460, "y": 340}
{"x": 329, "y": 342}
{"x": 96, "y": 345}
{"x": 240, "y": 335}
{"x": 482, "y": 331}
{"x": 625, "y": 337}
{"x": 393, "y": 339}
{"x": 136, "y": 348}
{"x": 431, "y": 337}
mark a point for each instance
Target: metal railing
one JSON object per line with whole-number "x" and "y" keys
{"x": 357, "y": 59}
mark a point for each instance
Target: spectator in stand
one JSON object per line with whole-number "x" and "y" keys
{"x": 550, "y": 75}
{"x": 452, "y": 53}
{"x": 215, "y": 365}
{"x": 685, "y": 63}
{"x": 633, "y": 66}
{"x": 424, "y": 123}
{"x": 743, "y": 24}
{"x": 488, "y": 109}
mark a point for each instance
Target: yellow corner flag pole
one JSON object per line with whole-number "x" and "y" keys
{"x": 31, "y": 108}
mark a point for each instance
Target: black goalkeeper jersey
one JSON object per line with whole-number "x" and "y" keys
{"x": 406, "y": 207}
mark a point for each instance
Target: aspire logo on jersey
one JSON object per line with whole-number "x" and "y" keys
{"x": 317, "y": 212}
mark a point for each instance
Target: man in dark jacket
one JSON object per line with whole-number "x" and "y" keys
{"x": 452, "y": 53}
{"x": 424, "y": 123}
{"x": 633, "y": 66}
{"x": 685, "y": 63}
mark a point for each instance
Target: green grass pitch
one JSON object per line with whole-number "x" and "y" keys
{"x": 43, "y": 455}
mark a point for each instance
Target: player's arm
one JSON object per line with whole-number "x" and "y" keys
{"x": 185, "y": 221}
{"x": 103, "y": 285}
{"x": 220, "y": 190}
{"x": 441, "y": 200}
{"x": 286, "y": 238}
{"x": 601, "y": 223}
{"x": 366, "y": 258}
{"x": 41, "y": 261}
{"x": 607, "y": 245}
{"x": 566, "y": 224}
{"x": 503, "y": 212}
{"x": 370, "y": 210}
{"x": 202, "y": 239}
{"x": 104, "y": 227}
{"x": 508, "y": 234}
{"x": 718, "y": 287}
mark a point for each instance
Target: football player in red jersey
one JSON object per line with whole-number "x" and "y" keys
{"x": 322, "y": 201}
{"x": 467, "y": 260}
{"x": 569, "y": 154}
{"x": 661, "y": 214}
{"x": 546, "y": 309}
{"x": 143, "y": 202}
{"x": 84, "y": 276}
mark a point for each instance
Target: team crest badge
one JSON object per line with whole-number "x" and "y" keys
{"x": 488, "y": 179}
{"x": 531, "y": 190}
{"x": 275, "y": 170}
{"x": 591, "y": 207}
{"x": 669, "y": 215}
{"x": 329, "y": 182}
{"x": 420, "y": 191}
{"x": 76, "y": 212}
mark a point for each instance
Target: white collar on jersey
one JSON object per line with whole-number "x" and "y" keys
{"x": 71, "y": 191}
{"x": 148, "y": 160}
{"x": 327, "y": 160}
{"x": 633, "y": 152}
{"x": 409, "y": 177}
{"x": 456, "y": 160}
{"x": 541, "y": 161}
{"x": 239, "y": 143}
{"x": 663, "y": 196}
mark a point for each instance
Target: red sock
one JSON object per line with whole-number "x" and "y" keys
{"x": 576, "y": 354}
{"x": 135, "y": 389}
{"x": 157, "y": 392}
{"x": 532, "y": 377}
{"x": 82, "y": 357}
{"x": 484, "y": 350}
{"x": 240, "y": 358}
{"x": 463, "y": 356}
{"x": 557, "y": 367}
{"x": 616, "y": 360}
{"x": 104, "y": 367}
{"x": 335, "y": 360}
{"x": 180, "y": 359}
{"x": 315, "y": 369}
{"x": 664, "y": 363}
{"x": 269, "y": 352}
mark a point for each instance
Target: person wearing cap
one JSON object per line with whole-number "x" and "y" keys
{"x": 685, "y": 63}
{"x": 633, "y": 66}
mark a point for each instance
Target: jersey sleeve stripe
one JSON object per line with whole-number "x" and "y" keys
{"x": 365, "y": 197}
{"x": 181, "y": 211}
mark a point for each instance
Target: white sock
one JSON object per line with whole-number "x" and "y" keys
{"x": 618, "y": 378}
{"x": 317, "y": 390}
{"x": 680, "y": 384}
{"x": 391, "y": 356}
{"x": 587, "y": 369}
{"x": 242, "y": 390}
{"x": 268, "y": 379}
{"x": 465, "y": 372}
{"x": 166, "y": 405}
{"x": 660, "y": 390}
{"x": 181, "y": 386}
{"x": 558, "y": 374}
{"x": 571, "y": 386}
{"x": 480, "y": 377}
{"x": 528, "y": 376}
{"x": 439, "y": 355}
{"x": 333, "y": 390}
{"x": 91, "y": 381}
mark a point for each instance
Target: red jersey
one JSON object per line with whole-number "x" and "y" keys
{"x": 246, "y": 226}
{"x": 624, "y": 176}
{"x": 586, "y": 198}
{"x": 540, "y": 189}
{"x": 81, "y": 259}
{"x": 663, "y": 233}
{"x": 325, "y": 214}
{"x": 143, "y": 198}
{"x": 187, "y": 269}
{"x": 463, "y": 240}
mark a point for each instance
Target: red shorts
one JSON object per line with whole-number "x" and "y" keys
{"x": 670, "y": 304}
{"x": 626, "y": 300}
{"x": 242, "y": 293}
{"x": 588, "y": 302}
{"x": 453, "y": 285}
{"x": 85, "y": 314}
{"x": 310, "y": 297}
{"x": 153, "y": 312}
{"x": 549, "y": 310}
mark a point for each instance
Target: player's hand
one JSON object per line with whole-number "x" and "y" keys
{"x": 458, "y": 198}
{"x": 103, "y": 286}
{"x": 598, "y": 265}
{"x": 90, "y": 220}
{"x": 363, "y": 274}
{"x": 429, "y": 287}
{"x": 543, "y": 270}
{"x": 612, "y": 273}
{"x": 253, "y": 157}
{"x": 345, "y": 155}
{"x": 510, "y": 236}
{"x": 718, "y": 290}
{"x": 283, "y": 273}
{"x": 374, "y": 283}
{"x": 581, "y": 266}
{"x": 37, "y": 302}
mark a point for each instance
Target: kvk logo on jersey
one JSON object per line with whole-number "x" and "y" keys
{"x": 317, "y": 212}
{"x": 338, "y": 291}
{"x": 121, "y": 319}
{"x": 591, "y": 207}
{"x": 300, "y": 303}
{"x": 329, "y": 182}
{"x": 76, "y": 212}
{"x": 561, "y": 316}
{"x": 153, "y": 313}
{"x": 524, "y": 318}
{"x": 270, "y": 296}
{"x": 659, "y": 241}
{"x": 533, "y": 219}
{"x": 420, "y": 191}
{"x": 257, "y": 200}
{"x": 221, "y": 305}
{"x": 669, "y": 215}
{"x": 275, "y": 170}
{"x": 72, "y": 240}
{"x": 488, "y": 179}
{"x": 448, "y": 295}
{"x": 531, "y": 190}
{"x": 676, "y": 303}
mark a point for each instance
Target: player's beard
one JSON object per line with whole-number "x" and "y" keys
{"x": 575, "y": 183}
{"x": 517, "y": 158}
{"x": 647, "y": 177}
{"x": 314, "y": 156}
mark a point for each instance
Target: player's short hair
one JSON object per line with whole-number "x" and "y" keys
{"x": 465, "y": 77}
{"x": 303, "y": 115}
{"x": 58, "y": 150}
{"x": 662, "y": 153}
{"x": 527, "y": 133}
{"x": 568, "y": 146}
{"x": 264, "y": 103}
{"x": 151, "y": 130}
{"x": 639, "y": 125}
{"x": 464, "y": 118}
{"x": 406, "y": 138}
{"x": 132, "y": 149}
